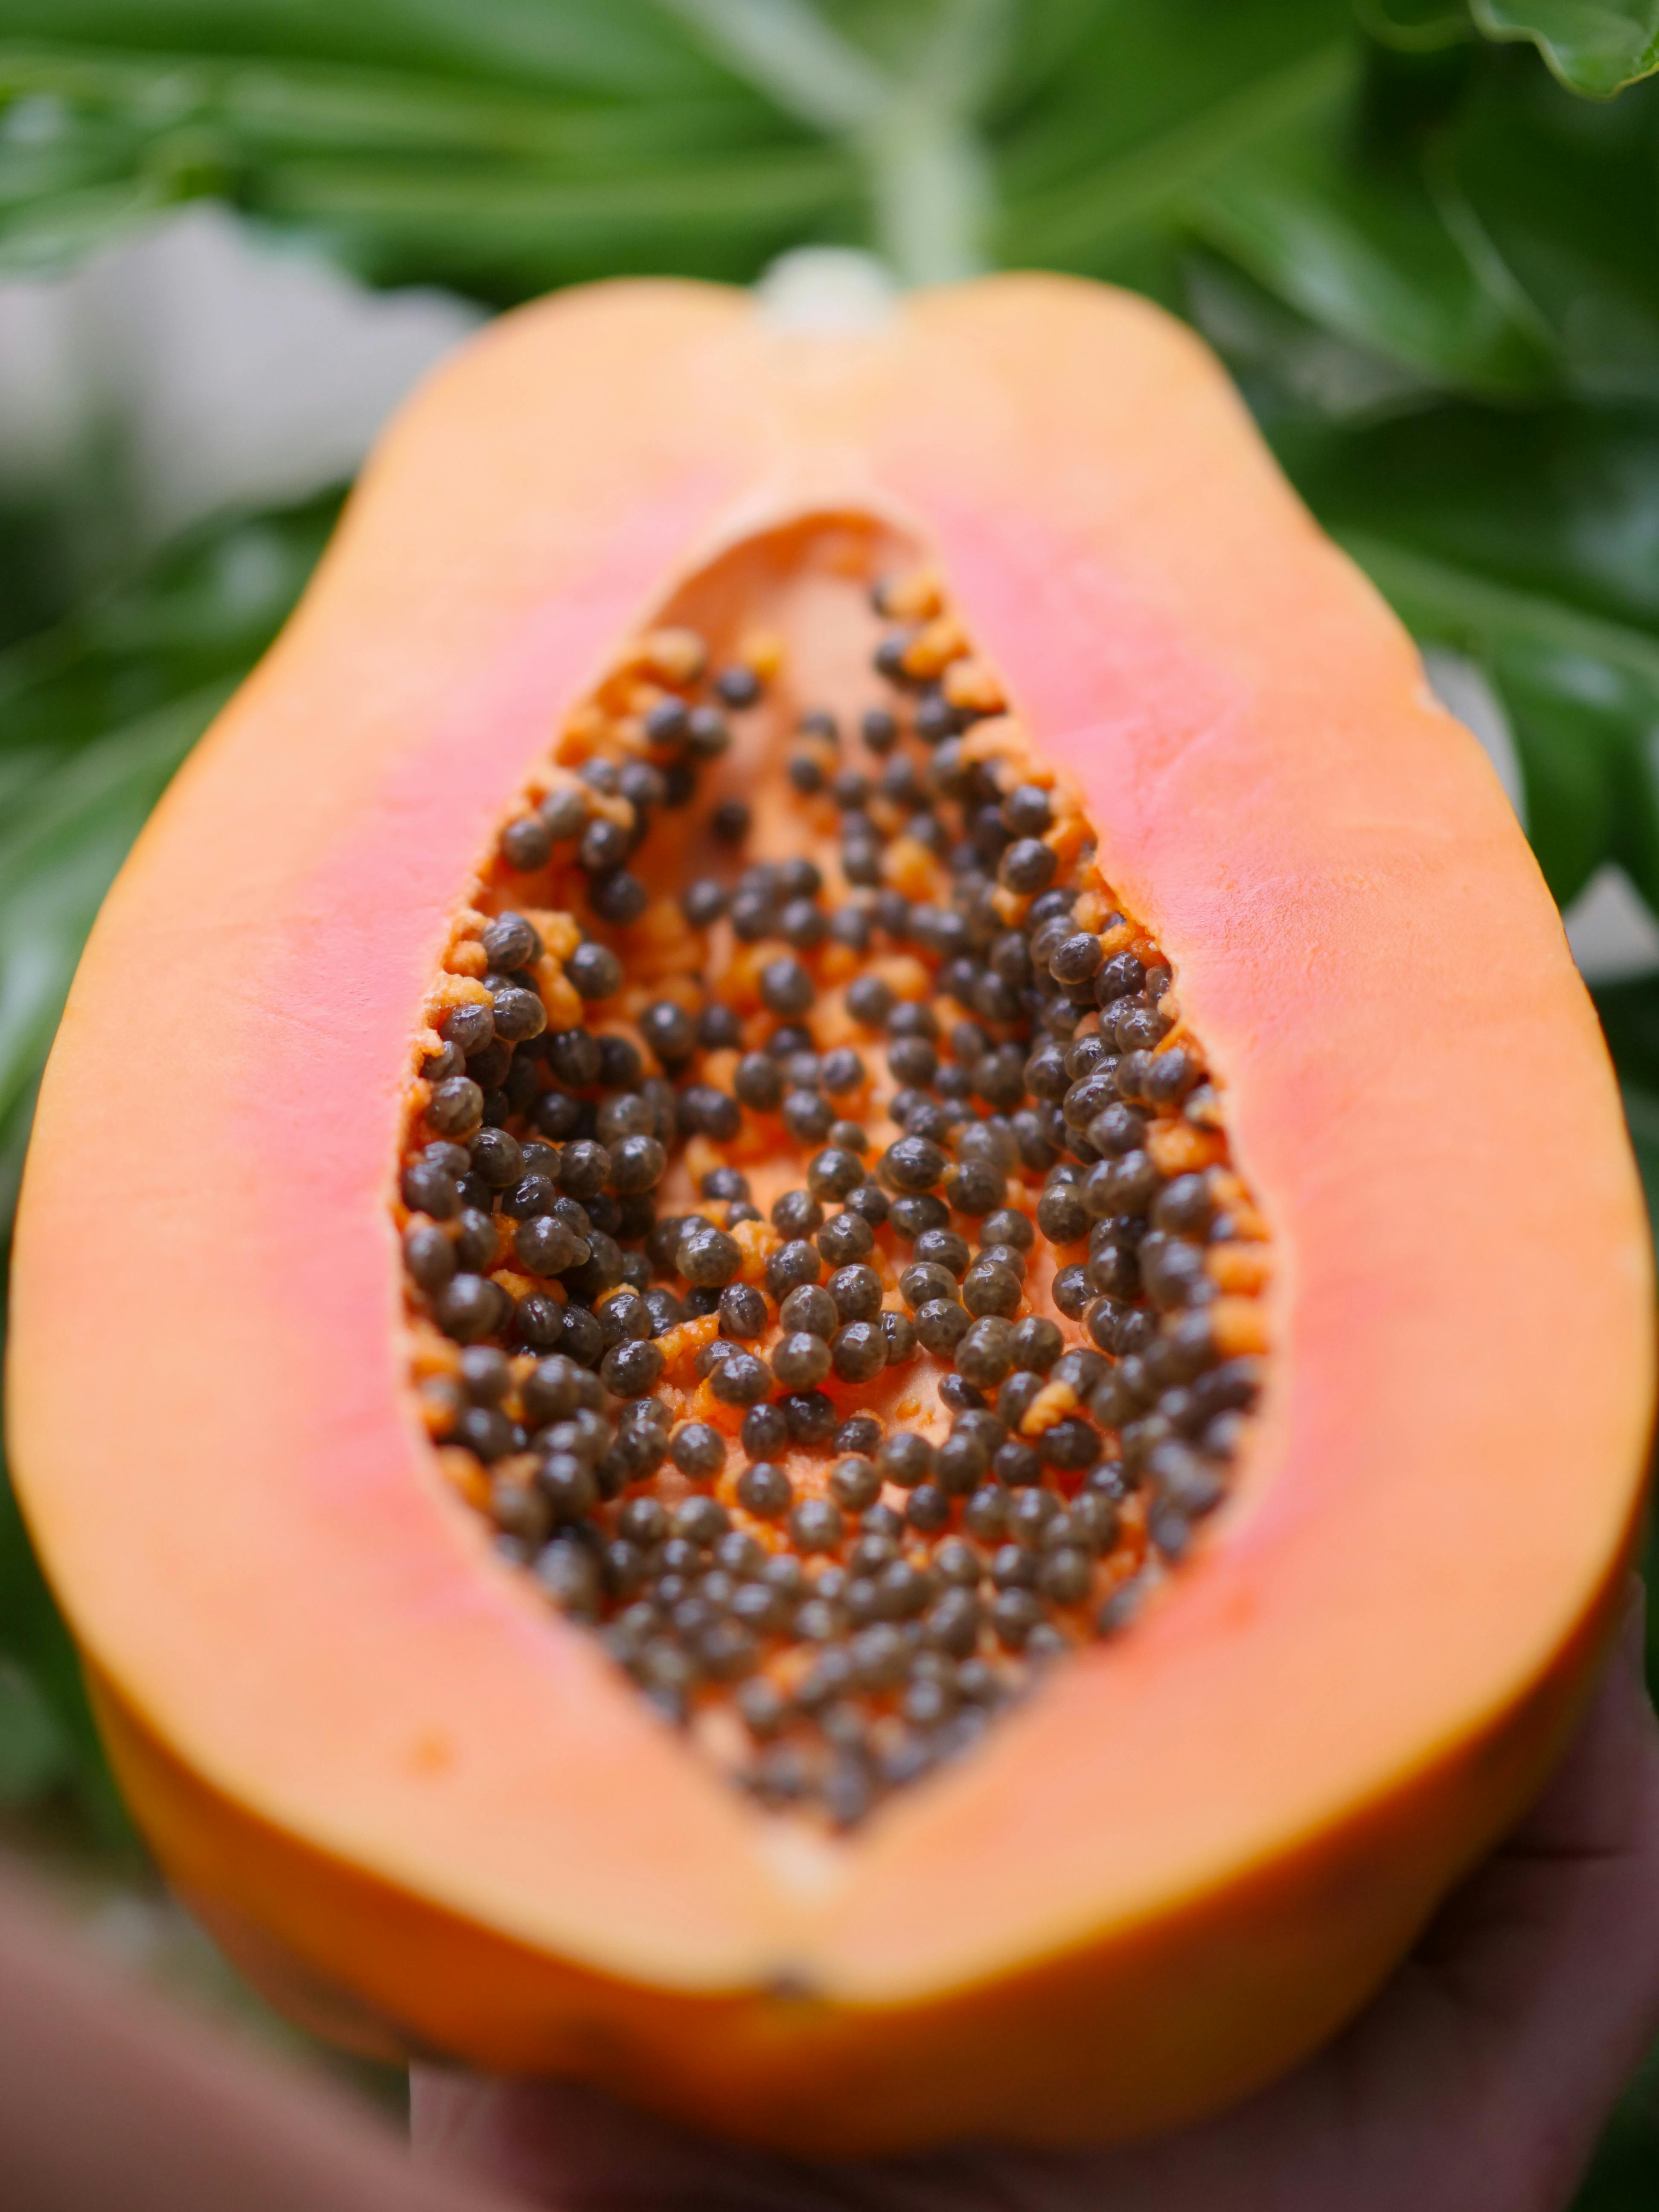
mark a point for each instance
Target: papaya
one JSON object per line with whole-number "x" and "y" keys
{"x": 829, "y": 1302}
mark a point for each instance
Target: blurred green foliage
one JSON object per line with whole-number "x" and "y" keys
{"x": 1423, "y": 233}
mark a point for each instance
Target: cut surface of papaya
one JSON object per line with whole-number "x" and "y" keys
{"x": 829, "y": 1300}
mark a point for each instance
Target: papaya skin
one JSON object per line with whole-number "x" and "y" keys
{"x": 423, "y": 1810}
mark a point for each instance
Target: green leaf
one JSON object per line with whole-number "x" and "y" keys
{"x": 1381, "y": 247}
{"x": 35, "y": 1753}
{"x": 1595, "y": 47}
{"x": 427, "y": 157}
{"x": 1531, "y": 542}
{"x": 1629, "y": 1018}
{"x": 626, "y": 49}
{"x": 1416, "y": 27}
{"x": 503, "y": 236}
{"x": 95, "y": 712}
{"x": 1109, "y": 148}
{"x": 1569, "y": 195}
{"x": 58, "y": 855}
{"x": 1580, "y": 727}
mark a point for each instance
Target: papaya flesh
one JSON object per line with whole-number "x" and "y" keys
{"x": 423, "y": 1781}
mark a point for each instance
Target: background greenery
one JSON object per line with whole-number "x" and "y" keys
{"x": 1423, "y": 233}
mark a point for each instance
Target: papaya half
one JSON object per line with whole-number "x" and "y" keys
{"x": 829, "y": 1300}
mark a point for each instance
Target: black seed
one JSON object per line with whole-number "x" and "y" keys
{"x": 899, "y": 1332}
{"x": 1014, "y": 1614}
{"x": 538, "y": 1321}
{"x": 545, "y": 1245}
{"x": 984, "y": 1355}
{"x": 856, "y": 1290}
{"x": 785, "y": 987}
{"x": 1071, "y": 1444}
{"x": 808, "y": 1117}
{"x": 574, "y": 1058}
{"x": 707, "y": 736}
{"x": 618, "y": 897}
{"x": 917, "y": 1212}
{"x": 912, "y": 1165}
{"x": 429, "y": 1257}
{"x": 1132, "y": 1071}
{"x": 438, "y": 1066}
{"x": 812, "y": 1309}
{"x": 510, "y": 942}
{"x": 912, "y": 1059}
{"x": 927, "y": 1280}
{"x": 604, "y": 846}
{"x": 1171, "y": 1077}
{"x": 801, "y": 1359}
{"x": 1121, "y": 978}
{"x": 637, "y": 1163}
{"x": 859, "y": 1351}
{"x": 1016, "y": 1463}
{"x": 699, "y": 1450}
{"x": 986, "y": 1513}
{"x": 832, "y": 1174}
{"x": 470, "y": 1026}
{"x": 1072, "y": 1291}
{"x": 752, "y": 913}
{"x": 631, "y": 1369}
{"x": 989, "y": 1288}
{"x": 869, "y": 1000}
{"x": 1027, "y": 811}
{"x": 892, "y": 912}
{"x": 816, "y": 1525}
{"x": 741, "y": 1379}
{"x": 962, "y": 1459}
{"x": 584, "y": 1168}
{"x": 742, "y": 1311}
{"x": 811, "y": 1415}
{"x": 729, "y": 824}
{"x": 878, "y": 729}
{"x": 737, "y": 686}
{"x": 1137, "y": 1028}
{"x": 765, "y": 1431}
{"x": 700, "y": 1519}
{"x": 569, "y": 1574}
{"x": 475, "y": 1239}
{"x": 905, "y": 1458}
{"x": 429, "y": 1189}
{"x": 669, "y": 1031}
{"x": 806, "y": 773}
{"x": 1076, "y": 959}
{"x": 456, "y": 1107}
{"x": 1185, "y": 1207}
{"x": 470, "y": 1307}
{"x": 758, "y": 1082}
{"x": 709, "y": 1257}
{"x": 1061, "y": 1214}
{"x": 940, "y": 1325}
{"x": 527, "y": 843}
{"x": 854, "y": 1482}
{"x": 765, "y": 1491}
{"x": 1027, "y": 865}
{"x": 1014, "y": 1566}
{"x": 974, "y": 1186}
{"x": 927, "y": 1509}
{"x": 934, "y": 719}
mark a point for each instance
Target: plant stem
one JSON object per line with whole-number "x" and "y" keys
{"x": 930, "y": 182}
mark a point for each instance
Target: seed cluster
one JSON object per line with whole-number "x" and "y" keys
{"x": 835, "y": 1475}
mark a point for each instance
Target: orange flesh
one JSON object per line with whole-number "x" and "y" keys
{"x": 379, "y": 1766}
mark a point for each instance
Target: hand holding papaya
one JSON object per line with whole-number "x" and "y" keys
{"x": 1480, "y": 2075}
